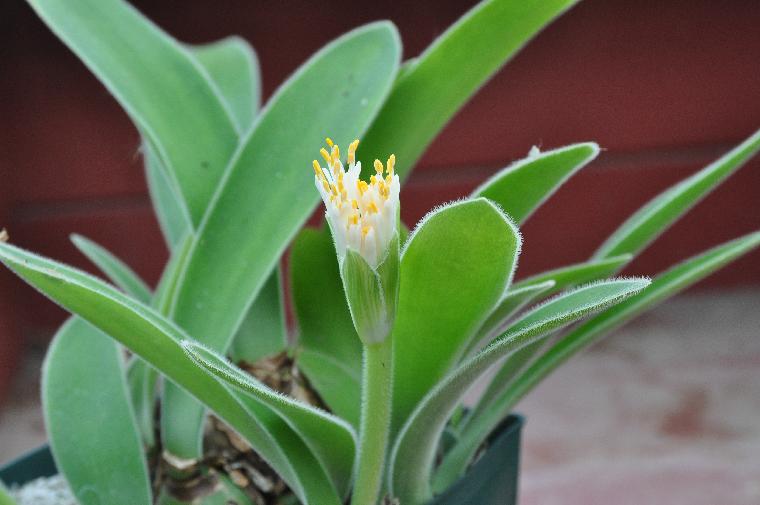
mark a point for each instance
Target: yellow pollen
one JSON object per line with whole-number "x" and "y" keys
{"x": 354, "y": 219}
{"x": 335, "y": 153}
{"x": 372, "y": 179}
{"x": 362, "y": 187}
{"x": 317, "y": 168}
{"x": 326, "y": 185}
{"x": 372, "y": 207}
{"x": 378, "y": 167}
{"x": 388, "y": 179}
{"x": 352, "y": 151}
{"x": 365, "y": 230}
{"x": 329, "y": 141}
{"x": 355, "y": 204}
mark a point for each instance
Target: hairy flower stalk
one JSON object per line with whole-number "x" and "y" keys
{"x": 363, "y": 218}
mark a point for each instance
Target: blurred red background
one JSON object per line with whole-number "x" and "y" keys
{"x": 664, "y": 87}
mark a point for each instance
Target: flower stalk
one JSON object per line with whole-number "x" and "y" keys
{"x": 363, "y": 218}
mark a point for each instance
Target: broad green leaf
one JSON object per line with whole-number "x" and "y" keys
{"x": 330, "y": 439}
{"x": 414, "y": 451}
{"x": 331, "y": 352}
{"x": 663, "y": 286}
{"x": 579, "y": 273}
{"x": 234, "y": 68}
{"x": 91, "y": 425}
{"x": 158, "y": 83}
{"x": 454, "y": 268}
{"x": 526, "y": 184}
{"x": 158, "y": 341}
{"x": 655, "y": 217}
{"x": 435, "y": 85}
{"x": 263, "y": 332}
{"x": 511, "y": 302}
{"x": 268, "y": 190}
{"x": 115, "y": 269}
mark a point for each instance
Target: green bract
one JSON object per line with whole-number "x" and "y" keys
{"x": 391, "y": 328}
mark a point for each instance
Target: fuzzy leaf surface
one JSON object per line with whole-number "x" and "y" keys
{"x": 415, "y": 447}
{"x": 454, "y": 269}
{"x": 92, "y": 428}
{"x": 158, "y": 341}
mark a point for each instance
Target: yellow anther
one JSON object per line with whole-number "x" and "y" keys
{"x": 326, "y": 185}
{"x": 329, "y": 141}
{"x": 354, "y": 219}
{"x": 335, "y": 153}
{"x": 388, "y": 179}
{"x": 391, "y": 163}
{"x": 372, "y": 179}
{"x": 365, "y": 230}
{"x": 334, "y": 190}
{"x": 352, "y": 151}
{"x": 372, "y": 207}
{"x": 378, "y": 167}
{"x": 317, "y": 168}
{"x": 355, "y": 204}
{"x": 326, "y": 156}
{"x": 362, "y": 186}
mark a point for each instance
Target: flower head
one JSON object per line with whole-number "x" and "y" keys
{"x": 362, "y": 215}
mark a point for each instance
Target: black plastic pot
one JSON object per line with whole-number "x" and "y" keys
{"x": 492, "y": 480}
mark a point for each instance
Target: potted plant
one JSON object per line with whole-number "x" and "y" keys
{"x": 195, "y": 393}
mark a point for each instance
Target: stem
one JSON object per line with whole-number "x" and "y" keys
{"x": 375, "y": 422}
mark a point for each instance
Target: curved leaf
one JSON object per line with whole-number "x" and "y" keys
{"x": 663, "y": 286}
{"x": 158, "y": 83}
{"x": 92, "y": 428}
{"x": 330, "y": 439}
{"x": 656, "y": 216}
{"x": 158, "y": 341}
{"x": 454, "y": 268}
{"x": 524, "y": 185}
{"x": 414, "y": 451}
{"x": 579, "y": 273}
{"x": 115, "y": 269}
{"x": 433, "y": 86}
{"x": 267, "y": 193}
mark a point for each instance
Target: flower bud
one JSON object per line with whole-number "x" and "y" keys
{"x": 363, "y": 218}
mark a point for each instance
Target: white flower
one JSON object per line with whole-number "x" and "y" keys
{"x": 363, "y": 216}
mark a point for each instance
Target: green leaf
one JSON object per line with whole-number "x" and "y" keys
{"x": 526, "y": 184}
{"x": 91, "y": 425}
{"x": 234, "y": 68}
{"x": 331, "y": 352}
{"x": 435, "y": 85}
{"x": 158, "y": 83}
{"x": 263, "y": 332}
{"x": 454, "y": 269}
{"x": 329, "y": 438}
{"x": 663, "y": 286}
{"x": 414, "y": 451}
{"x": 167, "y": 203}
{"x": 268, "y": 190}
{"x": 115, "y": 269}
{"x": 158, "y": 341}
{"x": 512, "y": 301}
{"x": 655, "y": 217}
{"x": 579, "y": 273}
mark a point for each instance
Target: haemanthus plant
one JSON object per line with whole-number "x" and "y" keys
{"x": 392, "y": 329}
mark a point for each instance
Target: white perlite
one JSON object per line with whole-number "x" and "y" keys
{"x": 44, "y": 491}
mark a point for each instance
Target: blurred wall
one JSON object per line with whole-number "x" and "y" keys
{"x": 664, "y": 87}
